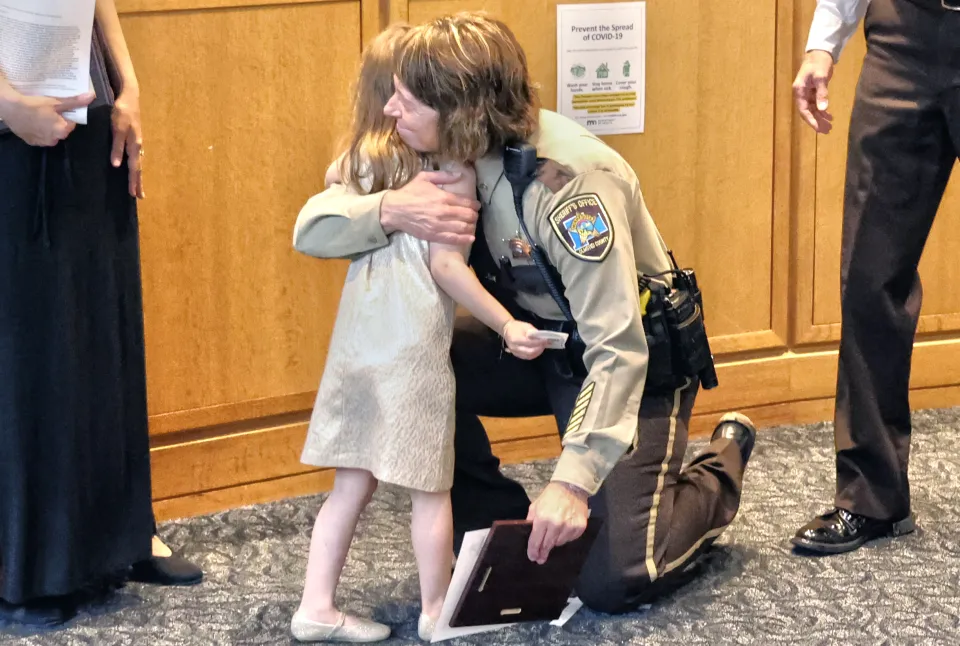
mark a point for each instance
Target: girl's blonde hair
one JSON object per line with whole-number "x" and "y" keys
{"x": 375, "y": 155}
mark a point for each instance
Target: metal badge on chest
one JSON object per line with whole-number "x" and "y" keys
{"x": 504, "y": 238}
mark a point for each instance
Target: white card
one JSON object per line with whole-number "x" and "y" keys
{"x": 556, "y": 340}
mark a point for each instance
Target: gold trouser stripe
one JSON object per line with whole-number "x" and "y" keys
{"x": 652, "y": 523}
{"x": 680, "y": 561}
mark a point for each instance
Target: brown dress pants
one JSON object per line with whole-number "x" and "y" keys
{"x": 903, "y": 143}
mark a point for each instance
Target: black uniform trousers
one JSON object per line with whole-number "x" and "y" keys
{"x": 903, "y": 143}
{"x": 657, "y": 517}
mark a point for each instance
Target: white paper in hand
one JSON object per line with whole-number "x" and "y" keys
{"x": 469, "y": 553}
{"x": 45, "y": 48}
{"x": 80, "y": 114}
{"x": 555, "y": 340}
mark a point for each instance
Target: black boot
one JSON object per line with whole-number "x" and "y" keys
{"x": 739, "y": 428}
{"x": 840, "y": 531}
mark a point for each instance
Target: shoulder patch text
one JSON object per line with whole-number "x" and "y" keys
{"x": 584, "y": 227}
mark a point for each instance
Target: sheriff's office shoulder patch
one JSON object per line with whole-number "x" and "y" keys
{"x": 584, "y": 227}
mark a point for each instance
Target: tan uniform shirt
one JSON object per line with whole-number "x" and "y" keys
{"x": 587, "y": 212}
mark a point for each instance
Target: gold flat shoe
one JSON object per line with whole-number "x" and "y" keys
{"x": 364, "y": 632}
{"x": 425, "y": 627}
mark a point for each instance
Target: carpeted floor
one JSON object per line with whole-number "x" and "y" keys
{"x": 753, "y": 591}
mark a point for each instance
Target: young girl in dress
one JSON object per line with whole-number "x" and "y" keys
{"x": 385, "y": 406}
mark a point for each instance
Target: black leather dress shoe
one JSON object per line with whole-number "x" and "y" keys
{"x": 739, "y": 428}
{"x": 841, "y": 531}
{"x": 166, "y": 570}
{"x": 47, "y": 612}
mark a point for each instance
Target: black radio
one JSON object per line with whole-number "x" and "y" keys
{"x": 676, "y": 334}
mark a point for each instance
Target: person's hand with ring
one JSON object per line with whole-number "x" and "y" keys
{"x": 128, "y": 136}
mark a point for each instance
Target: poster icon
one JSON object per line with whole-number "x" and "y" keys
{"x": 626, "y": 69}
{"x": 578, "y": 71}
{"x": 603, "y": 71}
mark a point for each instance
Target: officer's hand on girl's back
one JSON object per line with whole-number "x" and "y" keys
{"x": 516, "y": 334}
{"x": 424, "y": 210}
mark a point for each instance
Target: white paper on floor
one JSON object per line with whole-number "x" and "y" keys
{"x": 469, "y": 553}
{"x": 573, "y": 605}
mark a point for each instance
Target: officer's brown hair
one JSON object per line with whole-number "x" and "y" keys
{"x": 470, "y": 68}
{"x": 375, "y": 152}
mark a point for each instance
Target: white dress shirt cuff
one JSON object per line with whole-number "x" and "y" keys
{"x": 834, "y": 22}
{"x": 828, "y": 33}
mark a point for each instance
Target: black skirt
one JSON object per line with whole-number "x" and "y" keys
{"x": 75, "y": 501}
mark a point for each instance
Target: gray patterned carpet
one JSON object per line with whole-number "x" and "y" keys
{"x": 754, "y": 590}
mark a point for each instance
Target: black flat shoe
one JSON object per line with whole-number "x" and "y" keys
{"x": 840, "y": 531}
{"x": 40, "y": 613}
{"x": 739, "y": 428}
{"x": 166, "y": 570}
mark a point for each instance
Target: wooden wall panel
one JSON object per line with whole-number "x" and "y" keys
{"x": 208, "y": 474}
{"x": 241, "y": 110}
{"x": 143, "y": 6}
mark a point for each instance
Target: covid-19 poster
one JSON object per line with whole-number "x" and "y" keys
{"x": 601, "y": 65}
